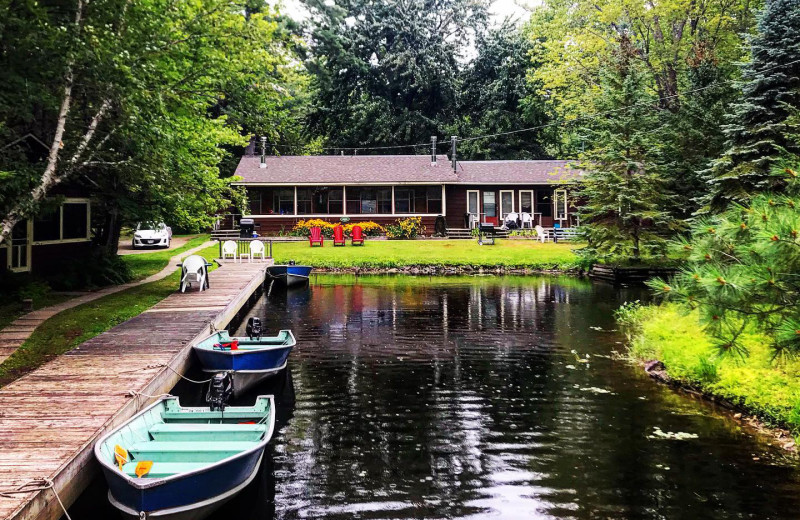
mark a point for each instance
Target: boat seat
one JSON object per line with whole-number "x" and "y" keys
{"x": 164, "y": 469}
{"x": 187, "y": 451}
{"x": 207, "y": 432}
{"x": 193, "y": 417}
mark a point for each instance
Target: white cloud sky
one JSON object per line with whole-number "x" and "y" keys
{"x": 500, "y": 9}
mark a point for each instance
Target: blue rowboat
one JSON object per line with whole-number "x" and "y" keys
{"x": 290, "y": 274}
{"x": 177, "y": 463}
{"x": 253, "y": 360}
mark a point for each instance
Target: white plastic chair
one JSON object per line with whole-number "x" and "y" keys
{"x": 194, "y": 270}
{"x": 527, "y": 221}
{"x": 540, "y": 233}
{"x": 229, "y": 248}
{"x": 256, "y": 248}
{"x": 473, "y": 221}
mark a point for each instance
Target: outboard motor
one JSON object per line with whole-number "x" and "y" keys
{"x": 253, "y": 328}
{"x": 220, "y": 391}
{"x": 292, "y": 262}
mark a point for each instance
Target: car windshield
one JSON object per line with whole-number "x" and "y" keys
{"x": 150, "y": 227}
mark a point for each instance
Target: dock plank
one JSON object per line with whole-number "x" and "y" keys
{"x": 51, "y": 418}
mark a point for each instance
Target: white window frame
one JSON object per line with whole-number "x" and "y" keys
{"x": 477, "y": 202}
{"x": 62, "y": 240}
{"x": 502, "y": 212}
{"x": 533, "y": 200}
{"x": 10, "y": 249}
{"x": 560, "y": 195}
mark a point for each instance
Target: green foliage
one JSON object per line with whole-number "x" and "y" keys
{"x": 760, "y": 131}
{"x": 97, "y": 270}
{"x": 742, "y": 271}
{"x": 169, "y": 87}
{"x": 625, "y": 213}
{"x": 768, "y": 389}
{"x": 405, "y": 228}
{"x": 385, "y": 75}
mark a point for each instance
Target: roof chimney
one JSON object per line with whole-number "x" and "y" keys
{"x": 453, "y": 139}
{"x": 433, "y": 150}
{"x": 263, "y": 153}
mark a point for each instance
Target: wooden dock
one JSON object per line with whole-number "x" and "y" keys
{"x": 51, "y": 418}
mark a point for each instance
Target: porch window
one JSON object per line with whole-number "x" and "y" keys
{"x": 385, "y": 201}
{"x": 75, "y": 223}
{"x": 304, "y": 201}
{"x": 403, "y": 200}
{"x": 434, "y": 196}
{"x": 544, "y": 202}
{"x": 369, "y": 202}
{"x": 254, "y": 201}
{"x": 335, "y": 205}
{"x": 561, "y": 204}
{"x": 283, "y": 201}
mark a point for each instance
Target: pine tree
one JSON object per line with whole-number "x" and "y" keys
{"x": 742, "y": 270}
{"x": 623, "y": 190}
{"x": 758, "y": 134}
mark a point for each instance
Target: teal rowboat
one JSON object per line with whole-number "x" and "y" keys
{"x": 179, "y": 463}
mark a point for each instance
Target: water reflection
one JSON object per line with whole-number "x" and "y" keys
{"x": 462, "y": 398}
{"x": 453, "y": 397}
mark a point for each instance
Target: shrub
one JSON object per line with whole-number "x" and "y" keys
{"x": 405, "y": 228}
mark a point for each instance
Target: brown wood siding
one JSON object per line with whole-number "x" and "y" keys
{"x": 50, "y": 258}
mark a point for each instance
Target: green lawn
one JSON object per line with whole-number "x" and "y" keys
{"x": 767, "y": 388}
{"x": 71, "y": 327}
{"x": 145, "y": 264}
{"x": 400, "y": 253}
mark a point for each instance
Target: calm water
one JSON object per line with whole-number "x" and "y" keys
{"x": 472, "y": 398}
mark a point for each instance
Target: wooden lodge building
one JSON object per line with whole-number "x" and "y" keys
{"x": 383, "y": 188}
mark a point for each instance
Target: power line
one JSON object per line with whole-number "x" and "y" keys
{"x": 538, "y": 127}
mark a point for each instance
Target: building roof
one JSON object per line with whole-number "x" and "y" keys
{"x": 515, "y": 172}
{"x": 337, "y": 169}
{"x": 384, "y": 169}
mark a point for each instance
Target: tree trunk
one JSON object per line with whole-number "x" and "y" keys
{"x": 112, "y": 227}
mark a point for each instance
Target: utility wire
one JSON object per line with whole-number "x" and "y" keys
{"x": 538, "y": 127}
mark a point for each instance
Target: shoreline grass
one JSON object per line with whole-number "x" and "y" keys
{"x": 377, "y": 254}
{"x": 71, "y": 327}
{"x": 767, "y": 388}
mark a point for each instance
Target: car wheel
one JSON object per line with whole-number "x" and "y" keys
{"x": 133, "y": 245}
{"x": 168, "y": 243}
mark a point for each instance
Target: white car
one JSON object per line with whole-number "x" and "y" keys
{"x": 148, "y": 235}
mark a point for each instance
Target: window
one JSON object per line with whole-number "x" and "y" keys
{"x": 75, "y": 220}
{"x": 544, "y": 202}
{"x": 47, "y": 225}
{"x": 472, "y": 202}
{"x": 385, "y": 201}
{"x": 335, "y": 205}
{"x": 561, "y": 204}
{"x": 489, "y": 204}
{"x": 284, "y": 201}
{"x": 369, "y": 202}
{"x": 434, "y": 196}
{"x": 304, "y": 199}
{"x": 254, "y": 200}
{"x": 506, "y": 202}
{"x": 526, "y": 201}
{"x": 403, "y": 200}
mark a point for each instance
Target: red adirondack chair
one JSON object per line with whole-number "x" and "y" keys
{"x": 338, "y": 236}
{"x": 316, "y": 237}
{"x": 358, "y": 236}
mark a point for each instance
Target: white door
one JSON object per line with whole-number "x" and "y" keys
{"x": 19, "y": 259}
{"x": 526, "y": 201}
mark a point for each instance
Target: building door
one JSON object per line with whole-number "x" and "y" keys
{"x": 490, "y": 208}
{"x": 473, "y": 208}
{"x": 526, "y": 206}
{"x": 506, "y": 203}
{"x": 20, "y": 252}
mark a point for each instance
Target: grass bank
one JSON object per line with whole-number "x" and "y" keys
{"x": 376, "y": 254}
{"x": 146, "y": 264}
{"x": 765, "y": 388}
{"x": 70, "y": 328}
